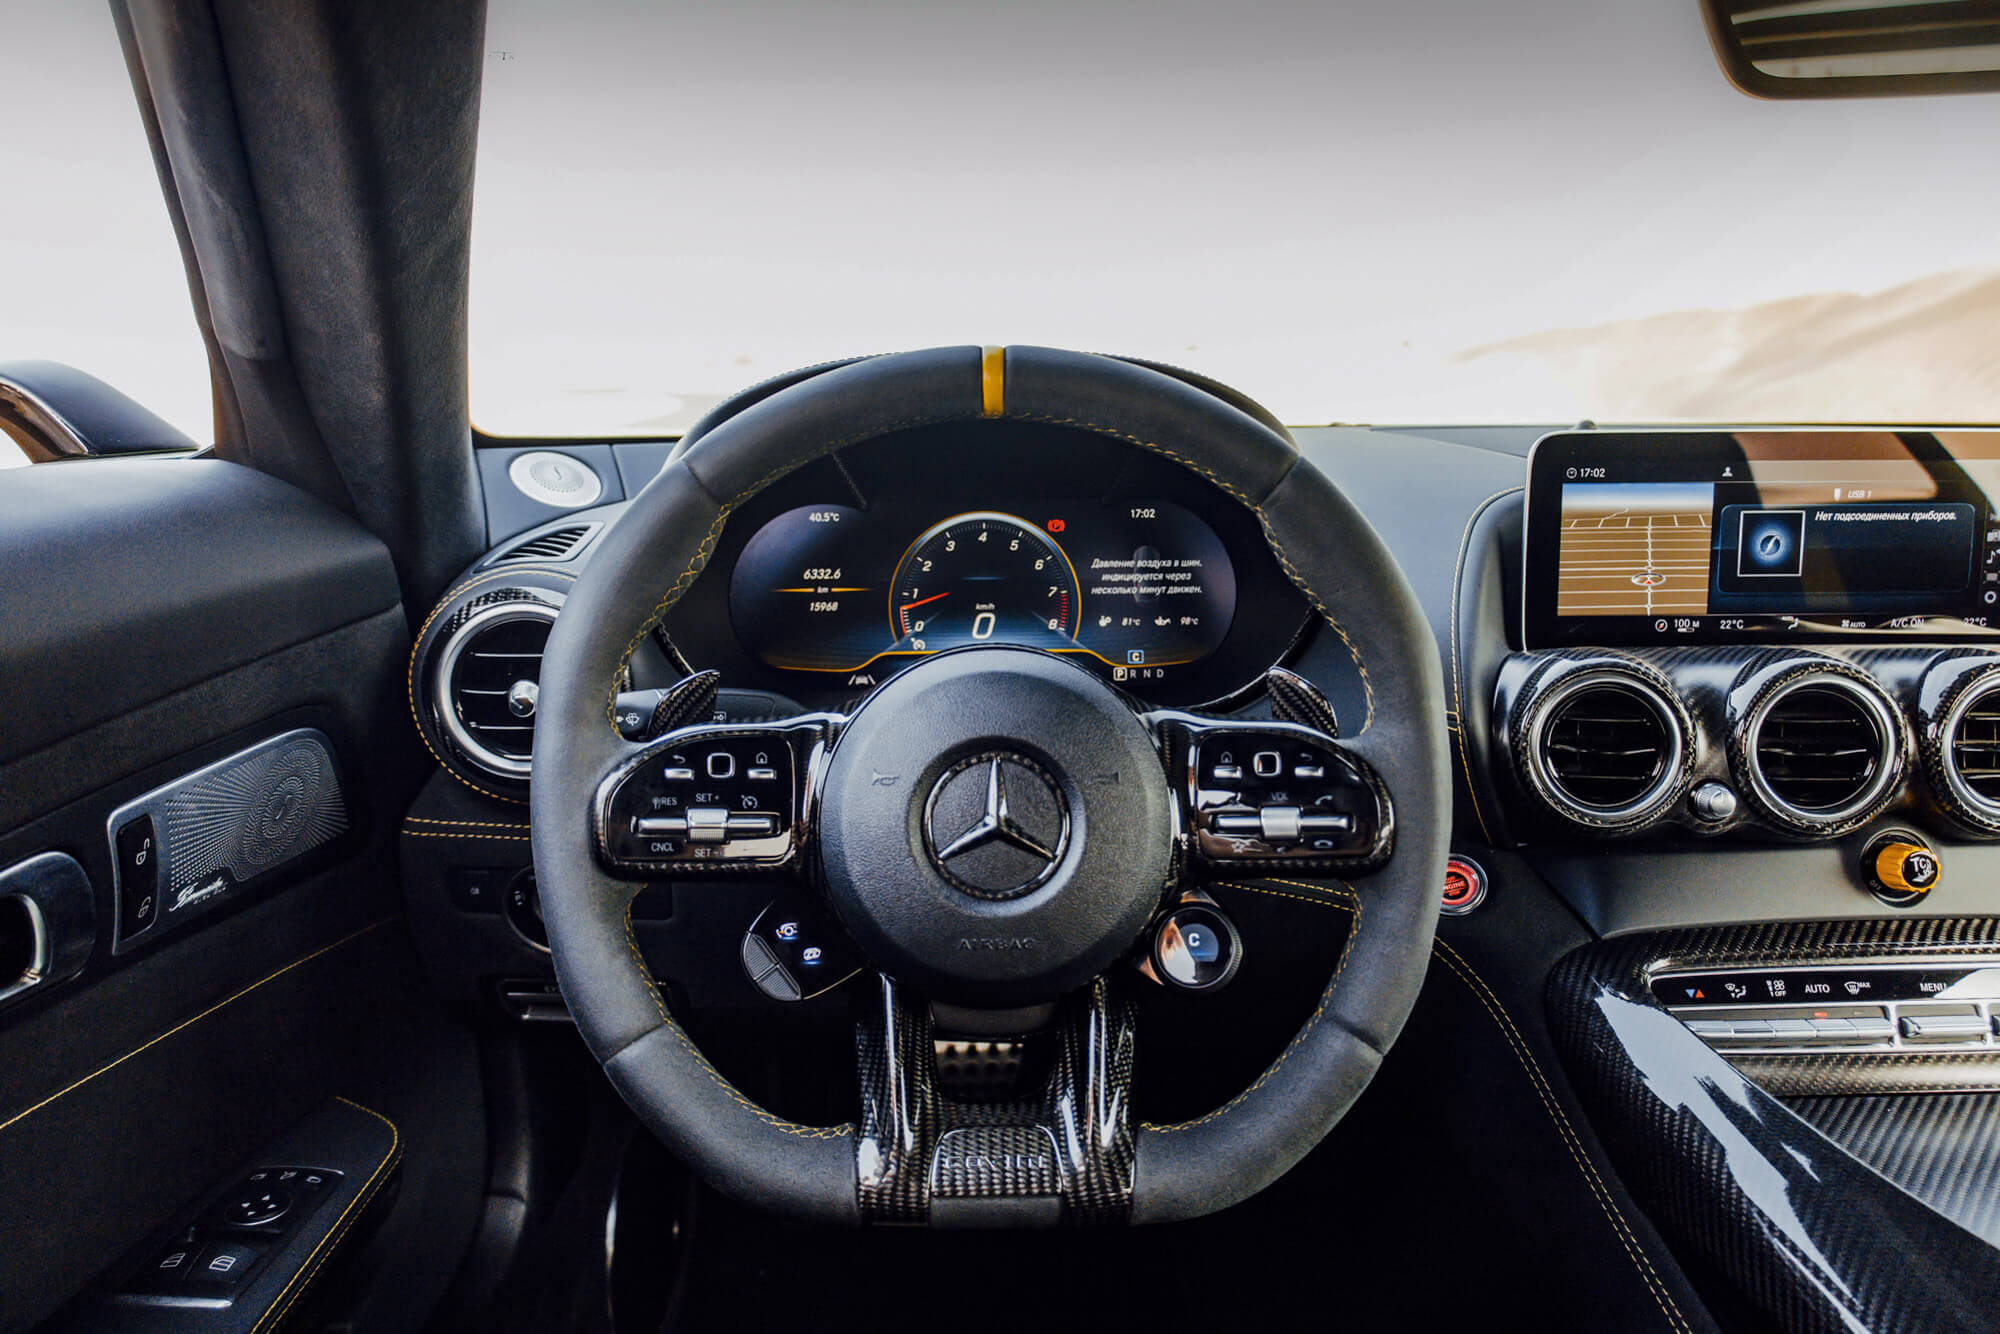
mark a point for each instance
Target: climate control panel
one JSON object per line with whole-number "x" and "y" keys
{"x": 1882, "y": 1007}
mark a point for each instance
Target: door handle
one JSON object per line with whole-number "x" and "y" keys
{"x": 48, "y": 923}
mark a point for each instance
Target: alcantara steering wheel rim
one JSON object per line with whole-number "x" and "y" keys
{"x": 895, "y": 1164}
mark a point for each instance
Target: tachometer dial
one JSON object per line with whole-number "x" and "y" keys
{"x": 978, "y": 578}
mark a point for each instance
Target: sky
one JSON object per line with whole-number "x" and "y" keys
{"x": 1326, "y": 204}
{"x": 93, "y": 276}
{"x": 1323, "y": 203}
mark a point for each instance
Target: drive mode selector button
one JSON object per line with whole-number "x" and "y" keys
{"x": 1197, "y": 949}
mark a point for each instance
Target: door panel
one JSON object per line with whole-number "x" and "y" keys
{"x": 162, "y": 615}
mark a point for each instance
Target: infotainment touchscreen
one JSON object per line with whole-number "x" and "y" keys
{"x": 1715, "y": 537}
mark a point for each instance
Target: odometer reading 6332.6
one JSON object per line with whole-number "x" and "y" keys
{"x": 982, "y": 577}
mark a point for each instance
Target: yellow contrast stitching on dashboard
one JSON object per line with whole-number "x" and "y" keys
{"x": 296, "y": 1287}
{"x": 1565, "y": 1132}
{"x": 467, "y": 824}
{"x": 109, "y": 1066}
{"x": 410, "y": 682}
{"x": 1345, "y": 892}
{"x": 1457, "y": 689}
{"x": 491, "y": 838}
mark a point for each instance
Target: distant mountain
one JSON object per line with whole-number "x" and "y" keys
{"x": 1926, "y": 351}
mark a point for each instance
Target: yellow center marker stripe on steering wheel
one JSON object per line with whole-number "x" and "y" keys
{"x": 993, "y": 380}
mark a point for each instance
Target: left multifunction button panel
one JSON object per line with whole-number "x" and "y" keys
{"x": 715, "y": 797}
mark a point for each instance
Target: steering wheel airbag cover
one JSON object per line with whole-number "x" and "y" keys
{"x": 897, "y": 900}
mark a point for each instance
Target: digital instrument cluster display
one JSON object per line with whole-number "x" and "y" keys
{"x": 1717, "y": 537}
{"x": 1141, "y": 587}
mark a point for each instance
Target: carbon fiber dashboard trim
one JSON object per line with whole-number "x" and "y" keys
{"x": 1815, "y": 1237}
{"x": 1943, "y": 1148}
{"x": 1716, "y": 684}
{"x": 1761, "y": 687}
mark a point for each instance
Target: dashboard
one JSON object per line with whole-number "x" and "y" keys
{"x": 1752, "y": 635}
{"x": 1724, "y": 705}
{"x": 837, "y": 577}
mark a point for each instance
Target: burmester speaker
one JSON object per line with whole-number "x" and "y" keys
{"x": 193, "y": 844}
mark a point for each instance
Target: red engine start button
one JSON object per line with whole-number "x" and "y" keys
{"x": 1464, "y": 886}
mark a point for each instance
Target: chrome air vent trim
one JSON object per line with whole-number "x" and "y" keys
{"x": 1966, "y": 769}
{"x": 1820, "y": 712}
{"x": 1638, "y": 737}
{"x": 502, "y": 748}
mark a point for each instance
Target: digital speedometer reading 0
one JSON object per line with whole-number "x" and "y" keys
{"x": 979, "y": 577}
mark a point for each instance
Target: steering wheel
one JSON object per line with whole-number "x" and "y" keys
{"x": 994, "y": 829}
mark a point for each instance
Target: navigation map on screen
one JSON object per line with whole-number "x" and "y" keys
{"x": 1634, "y": 549}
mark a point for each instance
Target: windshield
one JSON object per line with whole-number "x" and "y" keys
{"x": 1417, "y": 211}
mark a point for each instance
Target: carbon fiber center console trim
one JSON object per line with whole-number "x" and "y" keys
{"x": 1815, "y": 1236}
{"x": 1943, "y": 1148}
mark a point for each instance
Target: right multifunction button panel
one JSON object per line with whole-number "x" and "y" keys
{"x": 1285, "y": 793}
{"x": 1900, "y": 1007}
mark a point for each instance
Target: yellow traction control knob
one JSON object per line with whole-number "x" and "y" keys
{"x": 1899, "y": 869}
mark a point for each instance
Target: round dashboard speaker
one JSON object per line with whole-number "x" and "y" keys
{"x": 1603, "y": 742}
{"x": 550, "y": 478}
{"x": 1816, "y": 743}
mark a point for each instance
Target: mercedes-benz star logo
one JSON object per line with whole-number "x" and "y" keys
{"x": 996, "y": 825}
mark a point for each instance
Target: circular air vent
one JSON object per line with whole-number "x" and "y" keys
{"x": 488, "y": 673}
{"x": 1966, "y": 767}
{"x": 1820, "y": 749}
{"x": 1604, "y": 746}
